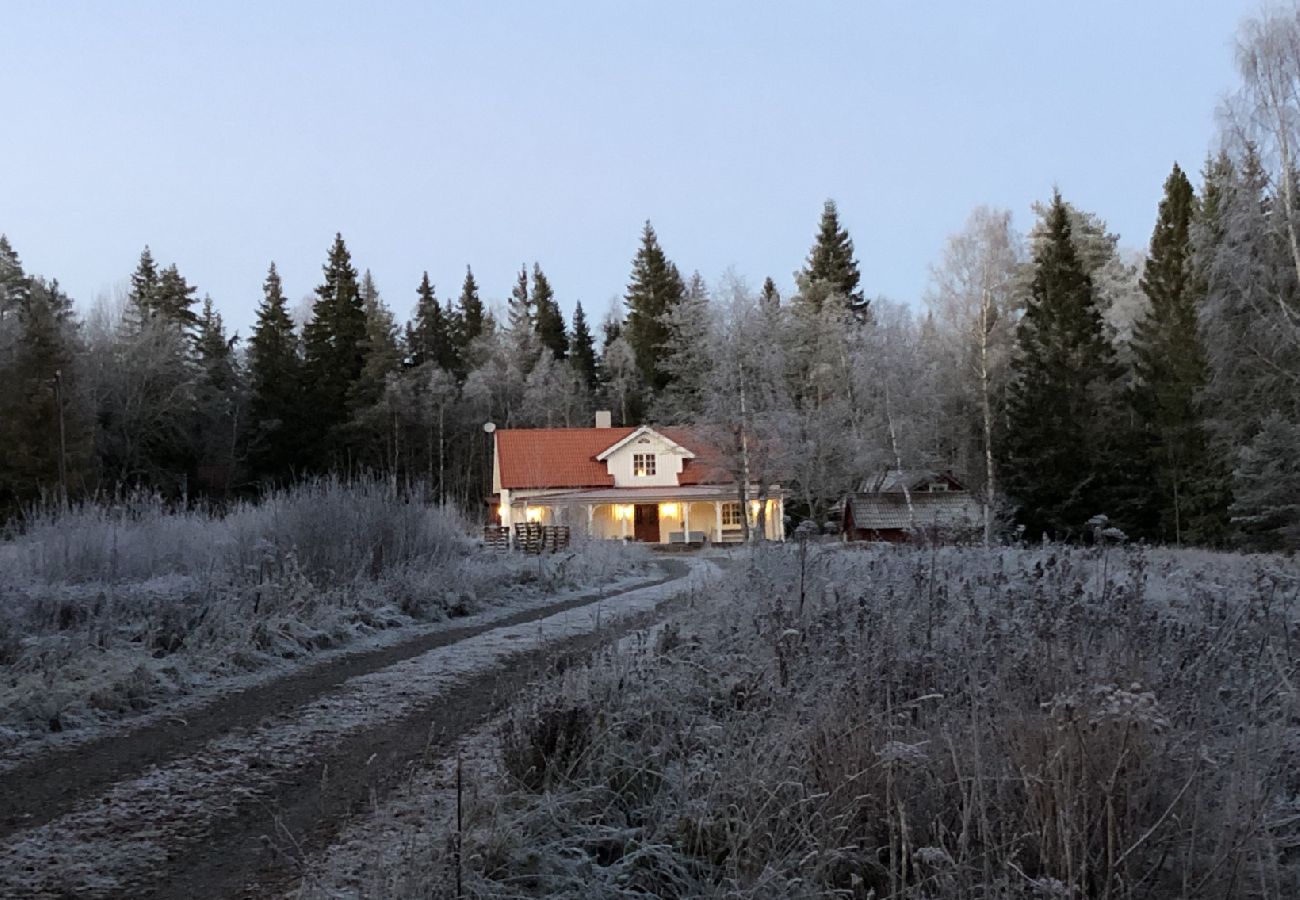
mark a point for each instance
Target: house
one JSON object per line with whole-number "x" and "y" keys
{"x": 658, "y": 485}
{"x": 897, "y": 504}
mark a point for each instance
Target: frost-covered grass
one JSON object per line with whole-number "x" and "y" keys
{"x": 1027, "y": 723}
{"x": 106, "y": 610}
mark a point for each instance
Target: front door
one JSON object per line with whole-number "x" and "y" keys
{"x": 646, "y": 520}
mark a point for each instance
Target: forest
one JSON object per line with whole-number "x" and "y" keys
{"x": 1063, "y": 375}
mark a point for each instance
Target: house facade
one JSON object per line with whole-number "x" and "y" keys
{"x": 657, "y": 485}
{"x": 897, "y": 505}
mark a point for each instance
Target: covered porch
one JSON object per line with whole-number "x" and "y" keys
{"x": 668, "y": 515}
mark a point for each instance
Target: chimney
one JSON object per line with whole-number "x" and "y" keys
{"x": 604, "y": 419}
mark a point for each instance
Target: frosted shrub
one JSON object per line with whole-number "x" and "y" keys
{"x": 109, "y": 608}
{"x": 934, "y": 723}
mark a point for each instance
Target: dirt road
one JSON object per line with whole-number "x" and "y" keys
{"x": 225, "y": 803}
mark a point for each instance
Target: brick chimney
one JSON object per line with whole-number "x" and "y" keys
{"x": 604, "y": 419}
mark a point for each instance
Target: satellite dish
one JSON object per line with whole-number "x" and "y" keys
{"x": 489, "y": 427}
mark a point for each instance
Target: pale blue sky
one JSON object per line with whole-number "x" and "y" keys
{"x": 436, "y": 134}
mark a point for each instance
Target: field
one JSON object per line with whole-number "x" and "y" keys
{"x": 920, "y": 723}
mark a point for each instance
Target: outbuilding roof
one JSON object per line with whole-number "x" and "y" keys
{"x": 889, "y": 511}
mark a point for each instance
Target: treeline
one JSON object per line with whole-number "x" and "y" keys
{"x": 1064, "y": 377}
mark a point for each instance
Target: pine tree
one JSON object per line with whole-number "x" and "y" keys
{"x": 655, "y": 289}
{"x": 831, "y": 270}
{"x": 1169, "y": 363}
{"x": 550, "y": 321}
{"x": 276, "y": 385}
{"x": 583, "y": 354}
{"x": 334, "y": 355}
{"x": 1060, "y": 453}
{"x": 770, "y": 298}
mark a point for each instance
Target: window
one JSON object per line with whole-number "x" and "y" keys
{"x": 643, "y": 464}
{"x": 731, "y": 515}
{"x": 938, "y": 487}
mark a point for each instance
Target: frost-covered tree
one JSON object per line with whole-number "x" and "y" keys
{"x": 688, "y": 356}
{"x": 623, "y": 388}
{"x": 973, "y": 296}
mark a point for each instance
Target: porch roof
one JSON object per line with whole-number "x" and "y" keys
{"x": 678, "y": 493}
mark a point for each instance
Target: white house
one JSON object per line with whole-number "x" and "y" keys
{"x": 659, "y": 485}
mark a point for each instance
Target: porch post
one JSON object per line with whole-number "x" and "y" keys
{"x": 624, "y": 521}
{"x": 686, "y": 522}
{"x": 717, "y": 509}
{"x": 591, "y": 515}
{"x": 780, "y": 518}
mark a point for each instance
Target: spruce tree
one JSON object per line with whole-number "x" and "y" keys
{"x": 522, "y": 317}
{"x": 550, "y": 321}
{"x": 13, "y": 281}
{"x": 770, "y": 298}
{"x": 173, "y": 299}
{"x": 1060, "y": 453}
{"x": 218, "y": 401}
{"x": 431, "y": 336}
{"x": 655, "y": 289}
{"x": 831, "y": 270}
{"x": 276, "y": 385}
{"x": 334, "y": 344}
{"x": 1189, "y": 498}
{"x": 583, "y": 354}
{"x": 144, "y": 282}
{"x": 43, "y": 421}
{"x": 472, "y": 319}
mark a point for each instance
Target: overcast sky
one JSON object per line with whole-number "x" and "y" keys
{"x": 438, "y": 134}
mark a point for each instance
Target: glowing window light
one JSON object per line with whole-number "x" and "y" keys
{"x": 668, "y": 510}
{"x": 622, "y": 511}
{"x": 533, "y": 513}
{"x": 501, "y": 511}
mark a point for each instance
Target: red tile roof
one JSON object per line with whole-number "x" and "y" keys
{"x": 566, "y": 457}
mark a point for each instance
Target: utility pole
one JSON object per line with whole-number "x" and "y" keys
{"x": 63, "y": 439}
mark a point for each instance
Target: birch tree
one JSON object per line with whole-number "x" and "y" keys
{"x": 973, "y": 298}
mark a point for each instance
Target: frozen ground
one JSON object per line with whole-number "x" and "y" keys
{"x": 199, "y": 823}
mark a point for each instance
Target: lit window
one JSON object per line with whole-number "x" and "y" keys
{"x": 731, "y": 515}
{"x": 643, "y": 464}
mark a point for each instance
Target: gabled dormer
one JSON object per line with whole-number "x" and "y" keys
{"x": 645, "y": 458}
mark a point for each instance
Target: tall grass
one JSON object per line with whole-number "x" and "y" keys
{"x": 108, "y": 608}
{"x": 1036, "y": 723}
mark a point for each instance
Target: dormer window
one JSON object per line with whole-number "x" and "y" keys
{"x": 643, "y": 464}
